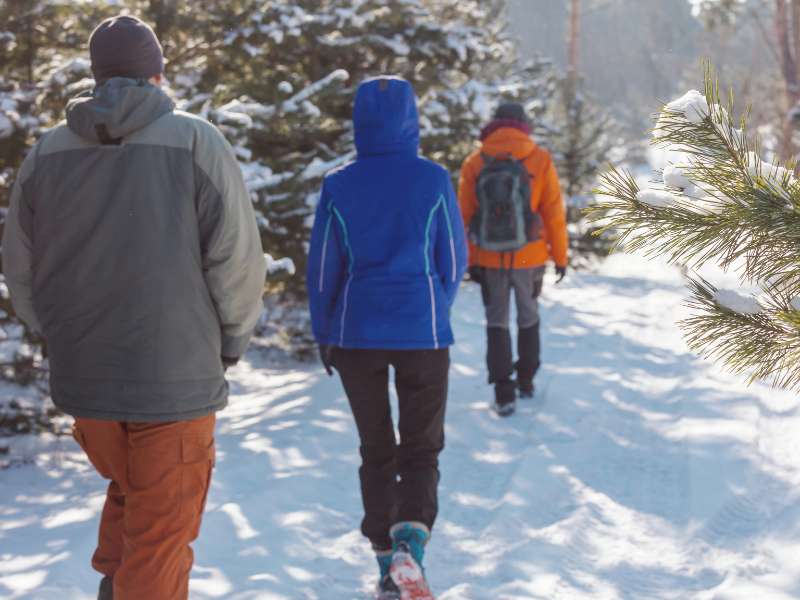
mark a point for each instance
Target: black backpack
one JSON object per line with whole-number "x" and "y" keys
{"x": 504, "y": 221}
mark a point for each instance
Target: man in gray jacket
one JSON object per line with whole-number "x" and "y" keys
{"x": 131, "y": 246}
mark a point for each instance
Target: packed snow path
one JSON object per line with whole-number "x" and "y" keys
{"x": 639, "y": 472}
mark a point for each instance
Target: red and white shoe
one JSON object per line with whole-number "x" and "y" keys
{"x": 408, "y": 576}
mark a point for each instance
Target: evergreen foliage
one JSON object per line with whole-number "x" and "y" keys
{"x": 721, "y": 204}
{"x": 582, "y": 142}
{"x": 278, "y": 78}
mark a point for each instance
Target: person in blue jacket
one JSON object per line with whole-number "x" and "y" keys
{"x": 388, "y": 253}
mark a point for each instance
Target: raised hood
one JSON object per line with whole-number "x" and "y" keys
{"x": 121, "y": 105}
{"x": 385, "y": 117}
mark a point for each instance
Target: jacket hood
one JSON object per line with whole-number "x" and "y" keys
{"x": 118, "y": 107}
{"x": 385, "y": 117}
{"x": 509, "y": 140}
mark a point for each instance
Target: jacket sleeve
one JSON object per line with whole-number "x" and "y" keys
{"x": 326, "y": 268}
{"x": 468, "y": 201}
{"x": 450, "y": 250}
{"x": 233, "y": 258}
{"x": 18, "y": 249}
{"x": 551, "y": 207}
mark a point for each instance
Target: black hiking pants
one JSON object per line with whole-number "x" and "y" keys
{"x": 399, "y": 479}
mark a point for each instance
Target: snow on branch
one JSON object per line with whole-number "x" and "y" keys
{"x": 719, "y": 204}
{"x": 338, "y": 76}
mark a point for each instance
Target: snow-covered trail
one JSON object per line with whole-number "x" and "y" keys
{"x": 639, "y": 472}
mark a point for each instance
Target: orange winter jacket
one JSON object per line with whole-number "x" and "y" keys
{"x": 545, "y": 199}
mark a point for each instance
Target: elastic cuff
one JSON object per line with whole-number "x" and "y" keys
{"x": 230, "y": 361}
{"x": 235, "y": 346}
{"x": 416, "y": 524}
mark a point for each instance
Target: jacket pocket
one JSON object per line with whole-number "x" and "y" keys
{"x": 102, "y": 467}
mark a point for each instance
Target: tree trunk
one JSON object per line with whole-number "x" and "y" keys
{"x": 572, "y": 50}
{"x": 787, "y": 33}
{"x": 163, "y": 13}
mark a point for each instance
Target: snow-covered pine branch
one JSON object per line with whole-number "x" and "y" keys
{"x": 720, "y": 203}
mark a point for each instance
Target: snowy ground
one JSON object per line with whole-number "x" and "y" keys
{"x": 640, "y": 472}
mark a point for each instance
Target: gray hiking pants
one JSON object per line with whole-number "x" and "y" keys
{"x": 496, "y": 288}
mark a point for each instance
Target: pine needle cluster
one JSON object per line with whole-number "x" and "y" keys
{"x": 722, "y": 205}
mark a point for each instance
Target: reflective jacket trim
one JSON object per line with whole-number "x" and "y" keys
{"x": 350, "y": 267}
{"x": 324, "y": 253}
{"x": 434, "y": 324}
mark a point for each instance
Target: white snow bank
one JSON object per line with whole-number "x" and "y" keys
{"x": 737, "y": 302}
{"x": 639, "y": 471}
{"x": 657, "y": 477}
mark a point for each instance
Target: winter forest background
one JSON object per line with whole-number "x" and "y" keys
{"x": 591, "y": 73}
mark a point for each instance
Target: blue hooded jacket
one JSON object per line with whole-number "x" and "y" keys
{"x": 388, "y": 249}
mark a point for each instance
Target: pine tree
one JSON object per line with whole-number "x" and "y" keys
{"x": 287, "y": 92}
{"x": 721, "y": 204}
{"x": 278, "y": 78}
{"x": 581, "y": 144}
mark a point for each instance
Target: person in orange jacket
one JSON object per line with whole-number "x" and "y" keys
{"x": 508, "y": 137}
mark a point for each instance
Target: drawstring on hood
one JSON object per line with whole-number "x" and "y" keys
{"x": 385, "y": 117}
{"x": 116, "y": 109}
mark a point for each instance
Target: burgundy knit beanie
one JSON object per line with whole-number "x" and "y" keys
{"x": 125, "y": 47}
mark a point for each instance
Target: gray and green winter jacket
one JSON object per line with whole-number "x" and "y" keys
{"x": 131, "y": 245}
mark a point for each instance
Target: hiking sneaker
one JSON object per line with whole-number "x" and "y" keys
{"x": 408, "y": 575}
{"x": 408, "y": 543}
{"x": 387, "y": 589}
{"x": 504, "y": 409}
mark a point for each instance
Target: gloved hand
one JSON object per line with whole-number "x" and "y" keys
{"x": 475, "y": 274}
{"x": 326, "y": 356}
{"x": 228, "y": 362}
{"x": 561, "y": 272}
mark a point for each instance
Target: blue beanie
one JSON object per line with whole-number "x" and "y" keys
{"x": 125, "y": 47}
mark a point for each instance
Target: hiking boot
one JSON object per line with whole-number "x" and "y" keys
{"x": 505, "y": 397}
{"x": 526, "y": 390}
{"x": 505, "y": 409}
{"x": 106, "y": 589}
{"x": 387, "y": 589}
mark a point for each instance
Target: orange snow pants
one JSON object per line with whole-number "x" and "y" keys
{"x": 160, "y": 474}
